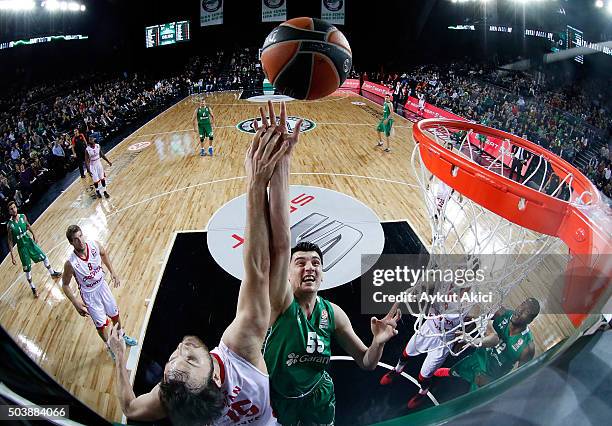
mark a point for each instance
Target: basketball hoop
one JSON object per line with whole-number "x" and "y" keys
{"x": 476, "y": 211}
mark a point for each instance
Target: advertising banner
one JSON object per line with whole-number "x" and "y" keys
{"x": 211, "y": 12}
{"x": 332, "y": 11}
{"x": 273, "y": 10}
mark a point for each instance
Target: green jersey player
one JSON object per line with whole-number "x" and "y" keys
{"x": 508, "y": 341}
{"x": 204, "y": 121}
{"x": 302, "y": 324}
{"x": 386, "y": 123}
{"x": 18, "y": 228}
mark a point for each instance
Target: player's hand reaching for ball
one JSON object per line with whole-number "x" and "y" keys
{"x": 384, "y": 329}
{"x": 266, "y": 149}
{"x": 291, "y": 138}
{"x": 116, "y": 342}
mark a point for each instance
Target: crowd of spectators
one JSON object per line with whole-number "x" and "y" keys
{"x": 238, "y": 70}
{"x": 37, "y": 126}
{"x": 565, "y": 119}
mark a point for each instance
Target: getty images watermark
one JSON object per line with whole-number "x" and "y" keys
{"x": 461, "y": 282}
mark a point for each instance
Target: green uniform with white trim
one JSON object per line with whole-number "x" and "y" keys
{"x": 204, "y": 124}
{"x": 497, "y": 361}
{"x": 297, "y": 352}
{"x": 382, "y": 127}
{"x": 26, "y": 247}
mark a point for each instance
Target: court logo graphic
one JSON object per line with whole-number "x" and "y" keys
{"x": 212, "y": 5}
{"x": 274, "y": 4}
{"x": 341, "y": 226}
{"x": 358, "y": 103}
{"x": 139, "y": 146}
{"x": 333, "y": 5}
{"x": 247, "y": 125}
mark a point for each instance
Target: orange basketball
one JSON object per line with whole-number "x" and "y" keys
{"x": 306, "y": 58}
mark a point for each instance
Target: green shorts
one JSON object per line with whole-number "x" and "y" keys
{"x": 385, "y": 128}
{"x": 470, "y": 367}
{"x": 28, "y": 253}
{"x": 205, "y": 131}
{"x": 318, "y": 407}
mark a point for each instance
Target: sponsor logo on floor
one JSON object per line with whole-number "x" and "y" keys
{"x": 342, "y": 234}
{"x": 247, "y": 125}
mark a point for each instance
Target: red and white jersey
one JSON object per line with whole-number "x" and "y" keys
{"x": 421, "y": 100}
{"x": 443, "y": 322}
{"x": 246, "y": 390}
{"x": 94, "y": 154}
{"x": 88, "y": 270}
{"x": 443, "y": 193}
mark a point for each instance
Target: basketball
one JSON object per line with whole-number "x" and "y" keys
{"x": 306, "y": 58}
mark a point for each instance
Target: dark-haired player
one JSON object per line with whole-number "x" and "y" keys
{"x": 228, "y": 385}
{"x": 297, "y": 348}
{"x": 507, "y": 342}
{"x": 17, "y": 232}
{"x": 97, "y": 300}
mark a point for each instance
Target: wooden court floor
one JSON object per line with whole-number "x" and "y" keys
{"x": 167, "y": 187}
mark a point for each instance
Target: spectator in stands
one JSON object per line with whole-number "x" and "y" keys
{"x": 58, "y": 159}
{"x": 15, "y": 153}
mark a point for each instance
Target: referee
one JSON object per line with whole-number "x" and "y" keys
{"x": 79, "y": 143}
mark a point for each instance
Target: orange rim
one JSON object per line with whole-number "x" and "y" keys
{"x": 585, "y": 229}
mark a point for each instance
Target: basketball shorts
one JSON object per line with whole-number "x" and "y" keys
{"x": 97, "y": 171}
{"x": 30, "y": 252}
{"x": 470, "y": 367}
{"x": 318, "y": 407}
{"x": 385, "y": 128}
{"x": 419, "y": 344}
{"x": 205, "y": 131}
{"x": 100, "y": 304}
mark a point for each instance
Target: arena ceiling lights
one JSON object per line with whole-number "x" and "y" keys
{"x": 17, "y": 5}
{"x": 62, "y": 6}
{"x": 49, "y": 5}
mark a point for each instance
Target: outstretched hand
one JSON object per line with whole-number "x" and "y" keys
{"x": 266, "y": 149}
{"x": 116, "y": 342}
{"x": 384, "y": 329}
{"x": 291, "y": 138}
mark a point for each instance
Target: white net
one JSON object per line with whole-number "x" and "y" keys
{"x": 468, "y": 237}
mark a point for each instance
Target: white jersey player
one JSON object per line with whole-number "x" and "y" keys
{"x": 443, "y": 192}
{"x": 421, "y": 107}
{"x": 228, "y": 385}
{"x": 246, "y": 390}
{"x": 93, "y": 156}
{"x": 97, "y": 301}
{"x": 430, "y": 339}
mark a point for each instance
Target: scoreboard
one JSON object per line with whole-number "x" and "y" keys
{"x": 170, "y": 33}
{"x": 575, "y": 39}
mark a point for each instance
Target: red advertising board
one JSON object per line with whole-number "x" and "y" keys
{"x": 350, "y": 83}
{"x": 492, "y": 145}
{"x": 376, "y": 89}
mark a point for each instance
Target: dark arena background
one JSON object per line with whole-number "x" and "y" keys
{"x": 499, "y": 153}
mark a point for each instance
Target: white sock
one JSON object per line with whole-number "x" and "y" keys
{"x": 400, "y": 366}
{"x": 29, "y": 278}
